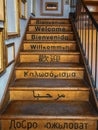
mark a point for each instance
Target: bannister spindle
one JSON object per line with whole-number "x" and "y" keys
{"x": 83, "y": 28}
{"x": 85, "y": 35}
{"x": 92, "y": 42}
{"x": 86, "y": 45}
{"x": 96, "y": 61}
{"x": 81, "y": 24}
{"x": 88, "y": 58}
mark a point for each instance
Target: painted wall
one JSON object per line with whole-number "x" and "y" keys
{"x": 1, "y": 24}
{"x": 4, "y": 78}
{"x": 10, "y": 13}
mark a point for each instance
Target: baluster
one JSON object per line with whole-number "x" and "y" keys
{"x": 92, "y": 42}
{"x": 96, "y": 61}
{"x": 88, "y": 58}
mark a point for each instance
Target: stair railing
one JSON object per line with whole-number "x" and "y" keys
{"x": 87, "y": 30}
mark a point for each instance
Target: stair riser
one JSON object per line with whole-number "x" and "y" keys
{"x": 48, "y": 124}
{"x": 42, "y": 58}
{"x": 49, "y": 95}
{"x": 49, "y": 74}
{"x": 49, "y": 22}
{"x": 49, "y": 29}
{"x": 49, "y": 47}
{"x": 50, "y": 37}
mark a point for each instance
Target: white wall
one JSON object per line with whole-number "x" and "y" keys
{"x": 4, "y": 78}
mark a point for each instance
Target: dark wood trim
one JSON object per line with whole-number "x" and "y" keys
{"x": 3, "y": 57}
{"x": 33, "y": 14}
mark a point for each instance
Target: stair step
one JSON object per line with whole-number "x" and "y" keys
{"x": 52, "y": 115}
{"x": 49, "y": 90}
{"x": 93, "y": 7}
{"x": 50, "y": 57}
{"x": 49, "y": 21}
{"x": 49, "y": 46}
{"x": 91, "y": 2}
{"x": 50, "y": 95}
{"x": 50, "y": 37}
{"x": 43, "y": 42}
{"x": 47, "y": 71}
{"x": 19, "y": 84}
{"x": 49, "y": 28}
{"x": 31, "y": 108}
{"x": 51, "y": 65}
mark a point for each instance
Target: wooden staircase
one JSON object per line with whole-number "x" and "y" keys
{"x": 48, "y": 89}
{"x": 93, "y": 8}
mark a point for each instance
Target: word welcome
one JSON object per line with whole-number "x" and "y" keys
{"x": 48, "y": 29}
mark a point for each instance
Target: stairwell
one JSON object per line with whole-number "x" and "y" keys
{"x": 48, "y": 89}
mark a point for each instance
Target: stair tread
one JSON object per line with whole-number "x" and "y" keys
{"x": 52, "y": 84}
{"x": 32, "y": 18}
{"x": 49, "y": 52}
{"x": 61, "y": 52}
{"x": 67, "y": 32}
{"x": 60, "y": 25}
{"x": 54, "y": 109}
{"x": 89, "y": 2}
{"x": 44, "y": 42}
{"x": 50, "y": 65}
